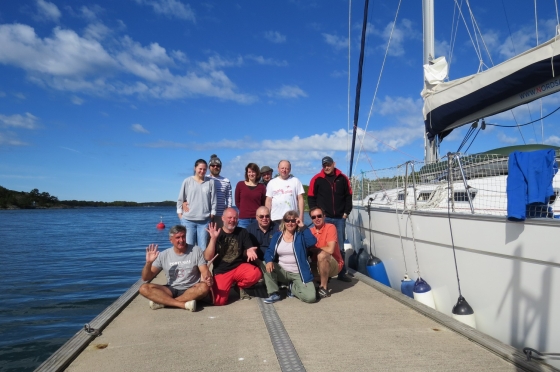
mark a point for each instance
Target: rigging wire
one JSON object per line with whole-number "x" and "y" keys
{"x": 349, "y": 60}
{"x": 522, "y": 125}
{"x": 449, "y": 160}
{"x": 537, "y": 37}
{"x": 454, "y": 29}
{"x": 379, "y": 78}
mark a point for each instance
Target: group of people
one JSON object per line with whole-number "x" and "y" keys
{"x": 266, "y": 240}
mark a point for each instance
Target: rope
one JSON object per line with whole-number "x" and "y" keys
{"x": 414, "y": 243}
{"x": 399, "y": 225}
{"x": 522, "y": 125}
{"x": 380, "y": 74}
{"x": 449, "y": 219}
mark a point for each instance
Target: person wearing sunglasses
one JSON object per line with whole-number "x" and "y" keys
{"x": 330, "y": 190}
{"x": 326, "y": 260}
{"x": 223, "y": 189}
{"x": 262, "y": 230}
{"x": 286, "y": 260}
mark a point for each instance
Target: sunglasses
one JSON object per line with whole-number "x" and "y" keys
{"x": 263, "y": 216}
{"x": 215, "y": 166}
{"x": 293, "y": 220}
{"x": 317, "y": 216}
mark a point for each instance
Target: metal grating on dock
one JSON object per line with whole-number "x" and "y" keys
{"x": 285, "y": 350}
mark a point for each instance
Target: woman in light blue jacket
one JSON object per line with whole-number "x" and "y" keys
{"x": 199, "y": 194}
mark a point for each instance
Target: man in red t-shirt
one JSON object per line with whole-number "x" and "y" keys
{"x": 326, "y": 254}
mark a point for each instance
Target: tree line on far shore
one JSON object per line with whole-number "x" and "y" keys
{"x": 10, "y": 199}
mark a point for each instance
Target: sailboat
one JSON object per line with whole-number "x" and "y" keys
{"x": 445, "y": 220}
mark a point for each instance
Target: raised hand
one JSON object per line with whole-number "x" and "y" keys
{"x": 251, "y": 254}
{"x": 299, "y": 222}
{"x": 152, "y": 253}
{"x": 213, "y": 230}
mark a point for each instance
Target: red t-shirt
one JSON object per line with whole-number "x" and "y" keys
{"x": 328, "y": 234}
{"x": 249, "y": 199}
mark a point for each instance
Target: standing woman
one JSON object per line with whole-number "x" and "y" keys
{"x": 249, "y": 195}
{"x": 198, "y": 191}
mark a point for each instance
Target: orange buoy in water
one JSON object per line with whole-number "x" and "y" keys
{"x": 160, "y": 225}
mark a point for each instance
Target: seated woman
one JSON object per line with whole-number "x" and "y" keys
{"x": 286, "y": 260}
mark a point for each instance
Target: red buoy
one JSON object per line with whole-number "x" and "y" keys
{"x": 160, "y": 225}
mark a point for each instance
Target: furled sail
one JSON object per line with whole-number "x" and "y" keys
{"x": 521, "y": 79}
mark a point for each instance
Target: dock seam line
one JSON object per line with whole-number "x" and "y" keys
{"x": 283, "y": 347}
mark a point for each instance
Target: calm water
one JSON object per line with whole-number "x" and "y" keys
{"x": 61, "y": 268}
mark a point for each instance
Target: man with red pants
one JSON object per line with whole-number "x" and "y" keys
{"x": 330, "y": 190}
{"x": 233, "y": 250}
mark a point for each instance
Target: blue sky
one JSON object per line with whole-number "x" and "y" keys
{"x": 115, "y": 100}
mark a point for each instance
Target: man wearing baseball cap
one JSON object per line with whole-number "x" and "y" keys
{"x": 330, "y": 190}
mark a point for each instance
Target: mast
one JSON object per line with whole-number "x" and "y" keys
{"x": 430, "y": 147}
{"x": 358, "y": 87}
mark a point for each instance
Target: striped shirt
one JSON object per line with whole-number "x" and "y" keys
{"x": 223, "y": 193}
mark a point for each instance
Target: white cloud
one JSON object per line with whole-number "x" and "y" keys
{"x": 26, "y": 121}
{"x": 77, "y": 100}
{"x": 552, "y": 140}
{"x": 66, "y": 61}
{"x": 267, "y": 61}
{"x": 20, "y": 95}
{"x": 10, "y": 139}
{"x": 138, "y": 128}
{"x": 275, "y": 37}
{"x": 505, "y": 139}
{"x": 288, "y": 91}
{"x": 337, "y": 42}
{"x": 48, "y": 11}
{"x": 96, "y": 31}
{"x": 171, "y": 8}
{"x": 401, "y": 33}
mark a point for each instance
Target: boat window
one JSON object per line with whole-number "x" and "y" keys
{"x": 401, "y": 195}
{"x": 461, "y": 196}
{"x": 424, "y": 195}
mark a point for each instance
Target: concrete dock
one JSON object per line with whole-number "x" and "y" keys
{"x": 358, "y": 328}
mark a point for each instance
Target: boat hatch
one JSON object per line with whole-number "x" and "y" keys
{"x": 461, "y": 196}
{"x": 425, "y": 195}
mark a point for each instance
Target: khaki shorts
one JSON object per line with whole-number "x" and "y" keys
{"x": 333, "y": 268}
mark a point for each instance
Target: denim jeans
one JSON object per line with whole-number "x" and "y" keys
{"x": 196, "y": 232}
{"x": 244, "y": 222}
{"x": 340, "y": 224}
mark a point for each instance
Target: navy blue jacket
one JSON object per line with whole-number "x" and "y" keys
{"x": 303, "y": 240}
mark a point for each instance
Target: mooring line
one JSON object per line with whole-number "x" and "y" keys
{"x": 283, "y": 347}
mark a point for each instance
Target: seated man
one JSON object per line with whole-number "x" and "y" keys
{"x": 188, "y": 278}
{"x": 261, "y": 231}
{"x": 230, "y": 247}
{"x": 326, "y": 258}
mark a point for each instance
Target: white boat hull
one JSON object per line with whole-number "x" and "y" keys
{"x": 509, "y": 271}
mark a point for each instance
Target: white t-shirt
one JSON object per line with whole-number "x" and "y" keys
{"x": 284, "y": 194}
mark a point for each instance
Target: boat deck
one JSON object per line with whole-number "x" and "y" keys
{"x": 363, "y": 326}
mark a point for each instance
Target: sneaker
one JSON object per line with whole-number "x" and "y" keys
{"x": 155, "y": 305}
{"x": 344, "y": 278}
{"x": 324, "y": 293}
{"x": 289, "y": 294}
{"x": 190, "y": 305}
{"x": 272, "y": 298}
{"x": 244, "y": 295}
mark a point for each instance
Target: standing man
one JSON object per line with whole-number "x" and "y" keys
{"x": 222, "y": 187}
{"x": 188, "y": 278}
{"x": 266, "y": 175}
{"x": 330, "y": 190}
{"x": 232, "y": 250}
{"x": 284, "y": 193}
{"x": 326, "y": 259}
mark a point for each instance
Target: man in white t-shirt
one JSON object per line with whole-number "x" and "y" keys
{"x": 188, "y": 277}
{"x": 284, "y": 193}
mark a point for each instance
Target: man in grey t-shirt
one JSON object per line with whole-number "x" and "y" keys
{"x": 188, "y": 277}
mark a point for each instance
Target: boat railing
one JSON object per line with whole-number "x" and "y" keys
{"x": 473, "y": 184}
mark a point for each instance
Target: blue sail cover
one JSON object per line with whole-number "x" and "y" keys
{"x": 519, "y": 80}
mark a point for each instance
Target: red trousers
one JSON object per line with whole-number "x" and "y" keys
{"x": 245, "y": 275}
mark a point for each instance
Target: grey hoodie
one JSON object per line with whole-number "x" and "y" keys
{"x": 201, "y": 198}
